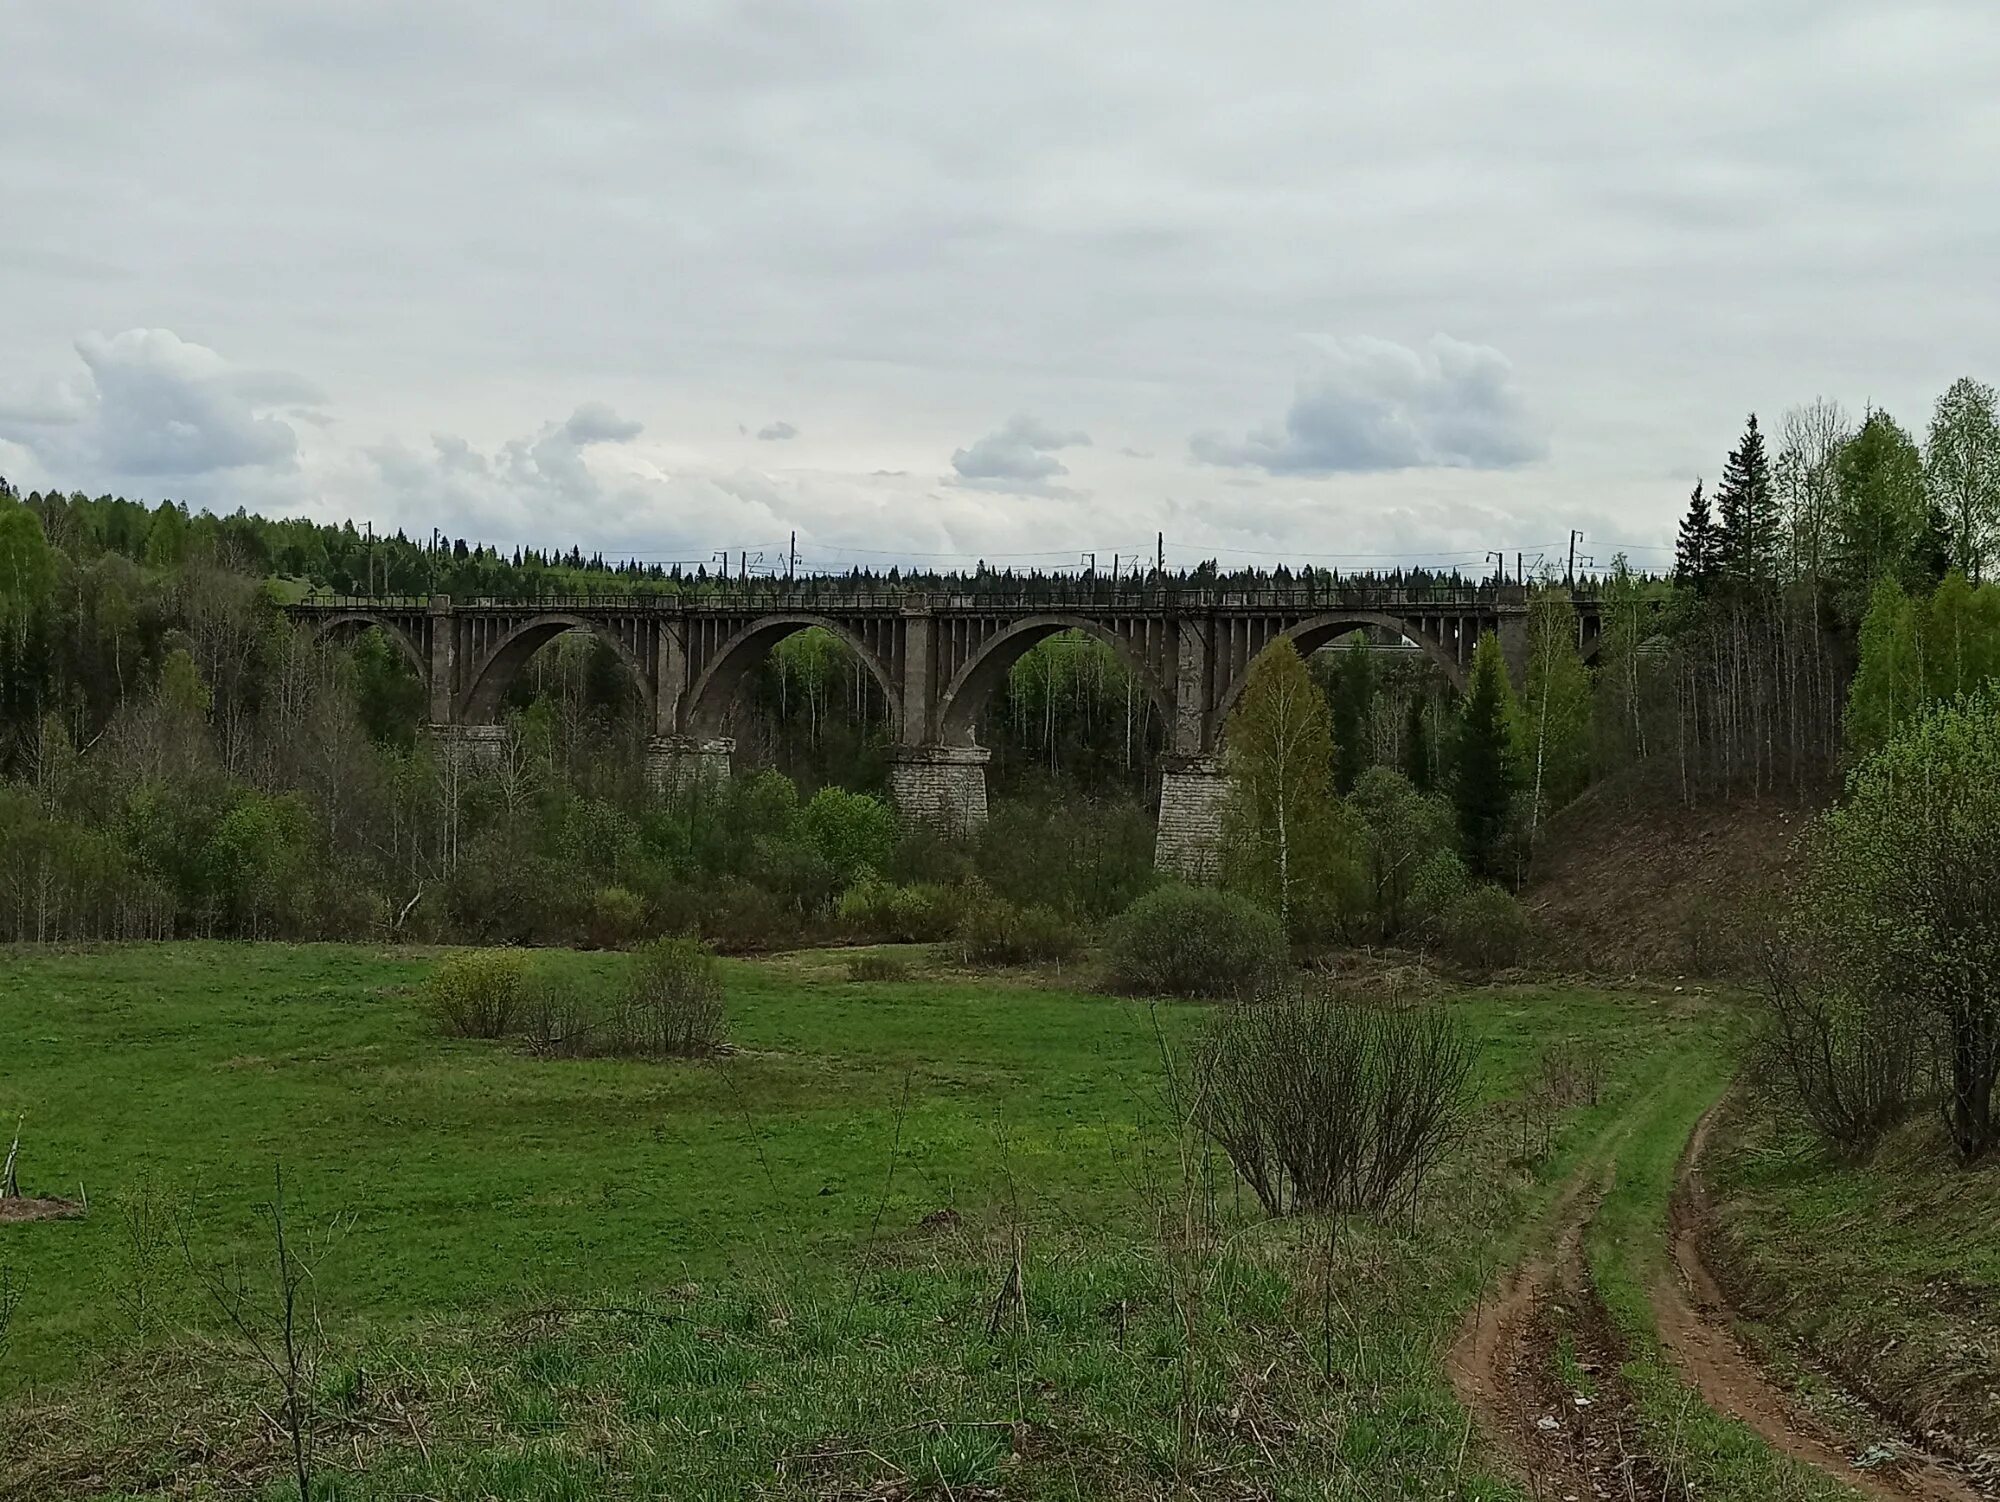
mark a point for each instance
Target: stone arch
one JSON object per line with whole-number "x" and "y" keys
{"x": 973, "y": 685}
{"x": 1310, "y": 635}
{"x": 490, "y": 679}
{"x": 715, "y": 689}
{"x": 351, "y": 623}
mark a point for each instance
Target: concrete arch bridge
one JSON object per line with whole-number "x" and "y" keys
{"x": 938, "y": 658}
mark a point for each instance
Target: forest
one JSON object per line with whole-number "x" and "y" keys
{"x": 179, "y": 761}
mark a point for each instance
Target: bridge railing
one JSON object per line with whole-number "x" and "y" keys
{"x": 839, "y": 597}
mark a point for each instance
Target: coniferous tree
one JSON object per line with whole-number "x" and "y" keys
{"x": 1747, "y": 503}
{"x": 1694, "y": 551}
{"x": 1417, "y": 744}
{"x": 1484, "y": 791}
{"x": 1353, "y": 706}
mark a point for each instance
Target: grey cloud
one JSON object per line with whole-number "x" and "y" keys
{"x": 594, "y": 422}
{"x": 1122, "y": 229}
{"x": 777, "y": 432}
{"x": 1373, "y": 405}
{"x": 155, "y": 405}
{"x": 1023, "y": 450}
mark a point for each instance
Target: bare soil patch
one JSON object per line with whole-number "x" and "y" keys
{"x": 25, "y": 1207}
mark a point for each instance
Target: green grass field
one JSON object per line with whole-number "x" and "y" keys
{"x": 583, "y": 1279}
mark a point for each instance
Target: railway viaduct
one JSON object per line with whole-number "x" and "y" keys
{"x": 937, "y": 656}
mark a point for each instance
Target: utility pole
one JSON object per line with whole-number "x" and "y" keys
{"x": 792, "y": 564}
{"x": 1160, "y": 542}
{"x": 1520, "y": 569}
{"x": 1499, "y": 565}
{"x": 371, "y": 560}
{"x": 1574, "y": 537}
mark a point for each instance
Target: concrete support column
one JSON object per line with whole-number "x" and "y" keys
{"x": 942, "y": 786}
{"x": 443, "y": 665}
{"x": 1188, "y": 842}
{"x": 917, "y": 713}
{"x": 677, "y": 762}
{"x": 1513, "y": 634}
{"x": 470, "y": 748}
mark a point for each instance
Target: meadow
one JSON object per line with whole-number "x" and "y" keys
{"x": 788, "y": 1271}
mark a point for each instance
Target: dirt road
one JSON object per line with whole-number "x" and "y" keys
{"x": 1538, "y": 1364}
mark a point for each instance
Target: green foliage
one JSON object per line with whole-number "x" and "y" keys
{"x": 476, "y": 993}
{"x": 921, "y": 912}
{"x": 617, "y": 917}
{"x": 27, "y": 572}
{"x": 1434, "y": 886}
{"x": 1353, "y": 708}
{"x": 1406, "y": 832}
{"x": 852, "y": 832}
{"x": 1918, "y": 651}
{"x": 1962, "y": 471}
{"x": 1484, "y": 789}
{"x": 1747, "y": 537}
{"x": 1904, "y": 878}
{"x": 1880, "y": 516}
{"x": 1287, "y": 841}
{"x": 1195, "y": 941}
{"x": 1552, "y": 736}
{"x": 1086, "y": 857}
{"x": 1484, "y": 929}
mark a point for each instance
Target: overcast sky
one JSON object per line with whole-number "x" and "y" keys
{"x": 1290, "y": 279}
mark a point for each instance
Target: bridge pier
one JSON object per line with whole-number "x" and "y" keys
{"x": 470, "y": 748}
{"x": 677, "y": 762}
{"x": 942, "y": 786}
{"x": 1194, "y": 791}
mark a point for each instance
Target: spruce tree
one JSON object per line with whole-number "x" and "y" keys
{"x": 1748, "y": 505}
{"x": 1353, "y": 709}
{"x": 1694, "y": 552}
{"x": 1417, "y": 744}
{"x": 1484, "y": 789}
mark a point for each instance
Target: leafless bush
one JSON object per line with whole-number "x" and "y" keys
{"x": 477, "y": 992}
{"x": 1847, "y": 1060}
{"x": 673, "y": 1004}
{"x": 873, "y": 966}
{"x": 1572, "y": 1072}
{"x": 274, "y": 1313}
{"x": 558, "y": 1018}
{"x": 1327, "y": 1103}
{"x": 147, "y": 1218}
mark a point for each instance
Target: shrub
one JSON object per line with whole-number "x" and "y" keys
{"x": 1484, "y": 929}
{"x": 617, "y": 917}
{"x": 1847, "y": 1061}
{"x": 852, "y": 831}
{"x": 1437, "y": 882}
{"x": 558, "y": 1018}
{"x": 916, "y": 914}
{"x": 875, "y": 966}
{"x": 1195, "y": 941}
{"x": 994, "y": 931}
{"x": 477, "y": 992}
{"x": 672, "y": 1004}
{"x": 1325, "y": 1103}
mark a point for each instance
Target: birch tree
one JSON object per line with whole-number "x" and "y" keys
{"x": 1286, "y": 838}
